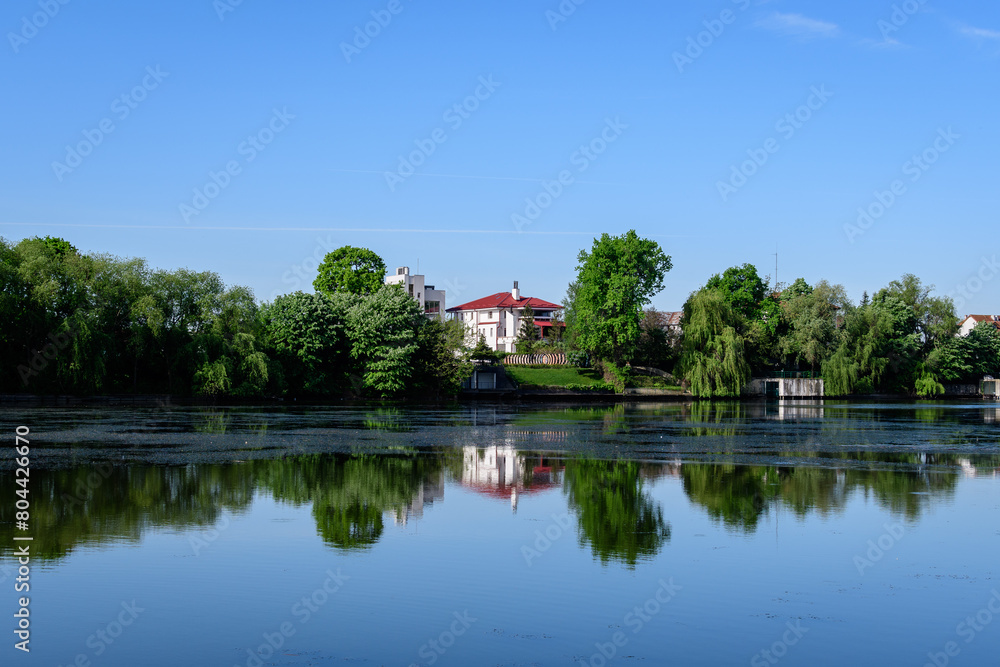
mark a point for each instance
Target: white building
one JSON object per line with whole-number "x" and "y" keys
{"x": 498, "y": 317}
{"x": 970, "y": 322}
{"x": 431, "y": 301}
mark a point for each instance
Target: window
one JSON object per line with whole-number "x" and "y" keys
{"x": 432, "y": 307}
{"x": 491, "y": 315}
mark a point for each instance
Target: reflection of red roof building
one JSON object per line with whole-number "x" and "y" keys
{"x": 501, "y": 473}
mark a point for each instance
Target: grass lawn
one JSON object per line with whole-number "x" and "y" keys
{"x": 556, "y": 376}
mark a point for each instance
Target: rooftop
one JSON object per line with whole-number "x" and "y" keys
{"x": 506, "y": 300}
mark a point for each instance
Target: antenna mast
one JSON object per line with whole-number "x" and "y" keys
{"x": 775, "y": 267}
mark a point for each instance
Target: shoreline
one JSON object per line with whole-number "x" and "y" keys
{"x": 471, "y": 397}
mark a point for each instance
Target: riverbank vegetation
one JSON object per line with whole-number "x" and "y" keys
{"x": 81, "y": 323}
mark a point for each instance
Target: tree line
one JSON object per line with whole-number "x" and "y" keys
{"x": 78, "y": 323}
{"x": 902, "y": 339}
{"x": 94, "y": 323}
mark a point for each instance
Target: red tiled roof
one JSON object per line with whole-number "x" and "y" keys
{"x": 994, "y": 319}
{"x": 505, "y": 300}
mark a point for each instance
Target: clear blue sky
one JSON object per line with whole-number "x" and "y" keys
{"x": 225, "y": 73}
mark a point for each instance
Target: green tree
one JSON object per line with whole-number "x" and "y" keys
{"x": 569, "y": 315}
{"x": 742, "y": 288}
{"x": 659, "y": 344}
{"x": 382, "y": 327}
{"x": 934, "y": 317}
{"x": 527, "y": 337}
{"x": 441, "y": 362}
{"x": 483, "y": 352}
{"x": 760, "y": 313}
{"x": 811, "y": 315}
{"x": 350, "y": 269}
{"x": 713, "y": 360}
{"x": 878, "y": 349}
{"x": 616, "y": 279}
{"x": 307, "y": 334}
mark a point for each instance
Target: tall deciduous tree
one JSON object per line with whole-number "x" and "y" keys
{"x": 308, "y": 336}
{"x": 383, "y": 330}
{"x": 350, "y": 269}
{"x": 811, "y": 315}
{"x": 615, "y": 280}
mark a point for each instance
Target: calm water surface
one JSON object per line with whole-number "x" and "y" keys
{"x": 836, "y": 534}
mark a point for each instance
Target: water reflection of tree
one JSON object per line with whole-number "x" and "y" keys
{"x": 735, "y": 495}
{"x": 619, "y": 520}
{"x": 104, "y": 503}
{"x": 739, "y": 495}
{"x": 350, "y": 494}
{"x": 715, "y": 418}
{"x": 96, "y": 504}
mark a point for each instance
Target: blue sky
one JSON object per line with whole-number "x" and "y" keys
{"x": 723, "y": 130}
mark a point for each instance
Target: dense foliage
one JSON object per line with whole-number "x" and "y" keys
{"x": 89, "y": 324}
{"x": 614, "y": 281}
{"x": 350, "y": 269}
{"x": 80, "y": 323}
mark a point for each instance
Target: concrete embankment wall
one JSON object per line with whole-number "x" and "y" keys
{"x": 787, "y": 387}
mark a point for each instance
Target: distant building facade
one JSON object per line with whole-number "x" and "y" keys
{"x": 432, "y": 301}
{"x": 497, "y": 318}
{"x": 970, "y": 322}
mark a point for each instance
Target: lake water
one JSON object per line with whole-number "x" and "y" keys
{"x": 649, "y": 534}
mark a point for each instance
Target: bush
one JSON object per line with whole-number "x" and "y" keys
{"x": 619, "y": 376}
{"x": 599, "y": 386}
{"x": 578, "y": 358}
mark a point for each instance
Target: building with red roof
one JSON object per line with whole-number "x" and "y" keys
{"x": 970, "y": 322}
{"x": 497, "y": 318}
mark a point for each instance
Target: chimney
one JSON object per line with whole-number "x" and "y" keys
{"x": 515, "y": 293}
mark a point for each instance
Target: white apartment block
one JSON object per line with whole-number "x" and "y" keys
{"x": 431, "y": 301}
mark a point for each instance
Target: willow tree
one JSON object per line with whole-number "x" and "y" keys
{"x": 714, "y": 357}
